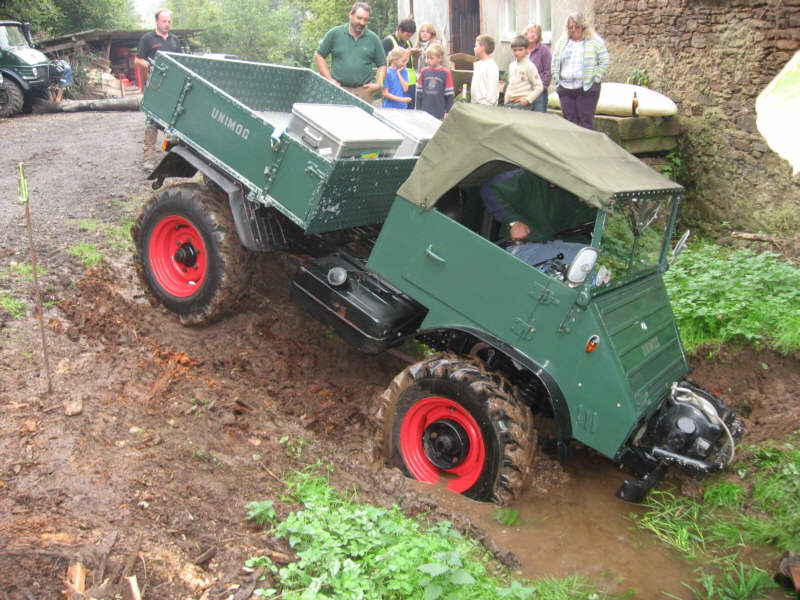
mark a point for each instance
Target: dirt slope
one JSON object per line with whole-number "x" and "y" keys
{"x": 157, "y": 436}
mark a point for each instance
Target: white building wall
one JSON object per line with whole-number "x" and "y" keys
{"x": 500, "y": 19}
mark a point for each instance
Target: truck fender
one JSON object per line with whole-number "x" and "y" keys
{"x": 561, "y": 414}
{"x": 14, "y": 76}
{"x": 182, "y": 162}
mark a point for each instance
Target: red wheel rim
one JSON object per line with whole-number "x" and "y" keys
{"x": 417, "y": 419}
{"x": 178, "y": 256}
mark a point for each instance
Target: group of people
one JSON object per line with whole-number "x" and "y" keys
{"x": 414, "y": 76}
{"x": 408, "y": 76}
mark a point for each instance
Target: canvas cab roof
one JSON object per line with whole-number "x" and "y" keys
{"x": 476, "y": 142}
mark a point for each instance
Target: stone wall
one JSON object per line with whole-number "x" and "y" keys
{"x": 713, "y": 58}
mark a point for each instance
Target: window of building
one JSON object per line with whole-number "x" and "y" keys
{"x": 508, "y": 20}
{"x": 541, "y": 12}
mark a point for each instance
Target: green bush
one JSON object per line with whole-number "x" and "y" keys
{"x": 346, "y": 549}
{"x": 721, "y": 295}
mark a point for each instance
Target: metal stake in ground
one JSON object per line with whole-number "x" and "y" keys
{"x": 22, "y": 192}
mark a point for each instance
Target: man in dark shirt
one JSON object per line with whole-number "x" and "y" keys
{"x": 150, "y": 43}
{"x": 402, "y": 38}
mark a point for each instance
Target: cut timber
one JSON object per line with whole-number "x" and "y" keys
{"x": 76, "y": 578}
{"x": 132, "y": 592}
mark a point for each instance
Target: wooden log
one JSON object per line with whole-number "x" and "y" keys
{"x": 127, "y": 103}
{"x": 130, "y": 102}
{"x": 132, "y": 591}
{"x": 756, "y": 237}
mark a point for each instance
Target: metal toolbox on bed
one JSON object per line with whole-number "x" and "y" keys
{"x": 416, "y": 127}
{"x": 338, "y": 131}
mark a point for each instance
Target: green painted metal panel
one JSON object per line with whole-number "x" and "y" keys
{"x": 466, "y": 282}
{"x": 297, "y": 182}
{"x": 642, "y": 329}
{"x": 234, "y": 113}
{"x": 211, "y": 121}
{"x": 358, "y": 192}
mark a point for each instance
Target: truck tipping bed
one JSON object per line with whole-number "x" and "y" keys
{"x": 235, "y": 115}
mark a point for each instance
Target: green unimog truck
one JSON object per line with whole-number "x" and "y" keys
{"x": 25, "y": 72}
{"x": 389, "y": 224}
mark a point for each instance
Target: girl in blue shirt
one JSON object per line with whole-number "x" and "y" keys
{"x": 395, "y": 85}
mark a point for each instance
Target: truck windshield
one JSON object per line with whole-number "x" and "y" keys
{"x": 633, "y": 240}
{"x": 11, "y": 36}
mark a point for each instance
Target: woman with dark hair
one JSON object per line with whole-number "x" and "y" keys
{"x": 580, "y": 61}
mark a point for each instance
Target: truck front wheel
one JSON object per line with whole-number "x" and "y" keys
{"x": 11, "y": 98}
{"x": 451, "y": 417}
{"x": 189, "y": 257}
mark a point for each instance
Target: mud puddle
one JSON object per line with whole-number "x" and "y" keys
{"x": 578, "y": 526}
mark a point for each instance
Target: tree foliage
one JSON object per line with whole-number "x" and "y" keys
{"x": 278, "y": 31}
{"x": 250, "y": 29}
{"x": 56, "y": 17}
{"x": 321, "y": 15}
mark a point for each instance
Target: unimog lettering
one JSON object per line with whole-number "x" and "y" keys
{"x": 231, "y": 124}
{"x": 572, "y": 323}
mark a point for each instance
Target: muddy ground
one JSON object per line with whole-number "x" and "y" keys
{"x": 156, "y": 436}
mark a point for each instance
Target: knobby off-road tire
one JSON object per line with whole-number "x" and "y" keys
{"x": 11, "y": 98}
{"x": 188, "y": 255}
{"x": 448, "y": 400}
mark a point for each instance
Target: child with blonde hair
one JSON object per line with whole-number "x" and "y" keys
{"x": 435, "y": 85}
{"x": 395, "y": 84}
{"x": 426, "y": 37}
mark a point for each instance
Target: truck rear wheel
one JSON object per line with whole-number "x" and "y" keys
{"x": 450, "y": 417}
{"x": 11, "y": 98}
{"x": 189, "y": 257}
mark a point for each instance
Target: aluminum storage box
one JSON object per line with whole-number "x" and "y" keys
{"x": 337, "y": 131}
{"x": 416, "y": 127}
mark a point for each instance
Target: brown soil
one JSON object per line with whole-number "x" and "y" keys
{"x": 156, "y": 436}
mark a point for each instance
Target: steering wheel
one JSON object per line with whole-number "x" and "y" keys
{"x": 506, "y": 243}
{"x": 582, "y": 229}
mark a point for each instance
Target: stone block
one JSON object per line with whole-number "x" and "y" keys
{"x": 787, "y": 44}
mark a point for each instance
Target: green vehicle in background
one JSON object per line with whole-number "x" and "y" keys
{"x": 25, "y": 71}
{"x": 394, "y": 242}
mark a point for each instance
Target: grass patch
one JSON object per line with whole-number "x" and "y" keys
{"x": 24, "y": 271}
{"x": 17, "y": 308}
{"x": 119, "y": 236}
{"x": 721, "y": 295}
{"x": 89, "y": 254}
{"x": 754, "y": 512}
{"x": 350, "y": 550}
{"x": 90, "y": 225}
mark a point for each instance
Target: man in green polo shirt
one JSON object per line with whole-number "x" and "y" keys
{"x": 354, "y": 51}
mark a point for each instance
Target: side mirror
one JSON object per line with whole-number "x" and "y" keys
{"x": 582, "y": 265}
{"x": 680, "y": 245}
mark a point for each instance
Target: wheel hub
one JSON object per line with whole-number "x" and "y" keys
{"x": 186, "y": 254}
{"x": 445, "y": 443}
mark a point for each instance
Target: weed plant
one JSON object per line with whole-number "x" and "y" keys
{"x": 720, "y": 295}
{"x": 17, "y": 308}
{"x": 24, "y": 271}
{"x": 756, "y": 512}
{"x": 350, "y": 550}
{"x": 89, "y": 254}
